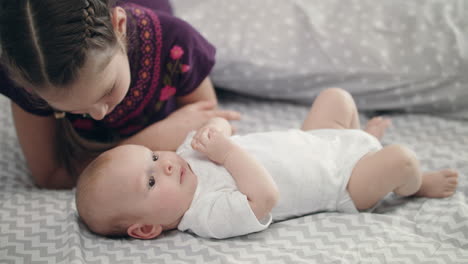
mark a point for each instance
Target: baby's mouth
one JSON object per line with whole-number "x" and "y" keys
{"x": 182, "y": 173}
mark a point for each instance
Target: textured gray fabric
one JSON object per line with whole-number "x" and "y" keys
{"x": 409, "y": 55}
{"x": 41, "y": 226}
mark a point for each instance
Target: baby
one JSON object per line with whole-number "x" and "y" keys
{"x": 219, "y": 186}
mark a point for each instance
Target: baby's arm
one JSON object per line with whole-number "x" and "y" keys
{"x": 251, "y": 177}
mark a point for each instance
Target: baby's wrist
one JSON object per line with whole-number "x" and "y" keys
{"x": 230, "y": 149}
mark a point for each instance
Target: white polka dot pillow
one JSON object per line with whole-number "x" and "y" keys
{"x": 404, "y": 55}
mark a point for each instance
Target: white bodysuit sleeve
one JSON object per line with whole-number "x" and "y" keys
{"x": 223, "y": 214}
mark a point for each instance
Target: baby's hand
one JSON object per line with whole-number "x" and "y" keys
{"x": 212, "y": 143}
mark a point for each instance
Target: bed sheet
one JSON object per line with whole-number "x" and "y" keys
{"x": 41, "y": 226}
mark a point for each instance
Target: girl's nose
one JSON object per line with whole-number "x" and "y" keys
{"x": 98, "y": 112}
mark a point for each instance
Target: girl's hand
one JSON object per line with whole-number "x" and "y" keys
{"x": 195, "y": 115}
{"x": 211, "y": 142}
{"x": 170, "y": 132}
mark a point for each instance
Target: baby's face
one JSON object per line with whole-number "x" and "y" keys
{"x": 158, "y": 186}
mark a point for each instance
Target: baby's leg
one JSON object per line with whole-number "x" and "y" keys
{"x": 395, "y": 168}
{"x": 376, "y": 126}
{"x": 335, "y": 108}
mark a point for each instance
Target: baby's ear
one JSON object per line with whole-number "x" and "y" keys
{"x": 144, "y": 231}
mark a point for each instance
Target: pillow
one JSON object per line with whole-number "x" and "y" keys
{"x": 391, "y": 55}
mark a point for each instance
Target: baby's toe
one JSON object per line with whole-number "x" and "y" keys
{"x": 450, "y": 173}
{"x": 375, "y": 119}
{"x": 452, "y": 181}
{"x": 448, "y": 193}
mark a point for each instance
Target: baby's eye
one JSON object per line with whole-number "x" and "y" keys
{"x": 155, "y": 157}
{"x": 151, "y": 182}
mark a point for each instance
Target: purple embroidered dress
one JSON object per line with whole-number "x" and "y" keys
{"x": 168, "y": 58}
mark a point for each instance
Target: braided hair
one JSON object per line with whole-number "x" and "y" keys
{"x": 45, "y": 43}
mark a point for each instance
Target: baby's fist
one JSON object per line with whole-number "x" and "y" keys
{"x": 212, "y": 143}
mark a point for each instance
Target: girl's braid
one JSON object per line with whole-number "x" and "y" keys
{"x": 89, "y": 19}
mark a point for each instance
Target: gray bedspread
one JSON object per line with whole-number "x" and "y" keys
{"x": 41, "y": 226}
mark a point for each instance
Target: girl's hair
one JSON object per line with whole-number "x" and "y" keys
{"x": 44, "y": 45}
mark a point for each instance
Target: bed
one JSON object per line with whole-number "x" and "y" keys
{"x": 41, "y": 226}
{"x": 426, "y": 102}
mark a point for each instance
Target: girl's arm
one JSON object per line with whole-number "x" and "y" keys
{"x": 197, "y": 108}
{"x": 204, "y": 92}
{"x": 36, "y": 136}
{"x": 251, "y": 177}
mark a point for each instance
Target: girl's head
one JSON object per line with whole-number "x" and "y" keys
{"x": 69, "y": 52}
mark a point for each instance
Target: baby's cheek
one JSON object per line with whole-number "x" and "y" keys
{"x": 170, "y": 193}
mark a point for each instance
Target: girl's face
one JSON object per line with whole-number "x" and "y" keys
{"x": 99, "y": 88}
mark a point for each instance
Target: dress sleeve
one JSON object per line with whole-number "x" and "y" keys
{"x": 223, "y": 214}
{"x": 187, "y": 57}
{"x": 21, "y": 97}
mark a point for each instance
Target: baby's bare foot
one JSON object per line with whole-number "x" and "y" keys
{"x": 377, "y": 126}
{"x": 438, "y": 184}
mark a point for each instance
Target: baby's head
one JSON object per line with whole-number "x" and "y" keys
{"x": 131, "y": 190}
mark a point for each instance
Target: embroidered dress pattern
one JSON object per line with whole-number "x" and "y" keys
{"x": 143, "y": 91}
{"x": 174, "y": 67}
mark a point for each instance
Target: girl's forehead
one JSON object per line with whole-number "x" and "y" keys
{"x": 99, "y": 60}
{"x": 94, "y": 79}
{"x": 98, "y": 69}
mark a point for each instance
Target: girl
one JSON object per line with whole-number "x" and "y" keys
{"x": 85, "y": 75}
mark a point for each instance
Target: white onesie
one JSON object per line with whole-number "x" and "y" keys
{"x": 310, "y": 168}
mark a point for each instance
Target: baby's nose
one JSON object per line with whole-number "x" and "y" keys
{"x": 168, "y": 168}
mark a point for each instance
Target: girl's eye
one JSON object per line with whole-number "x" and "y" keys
{"x": 151, "y": 182}
{"x": 110, "y": 92}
